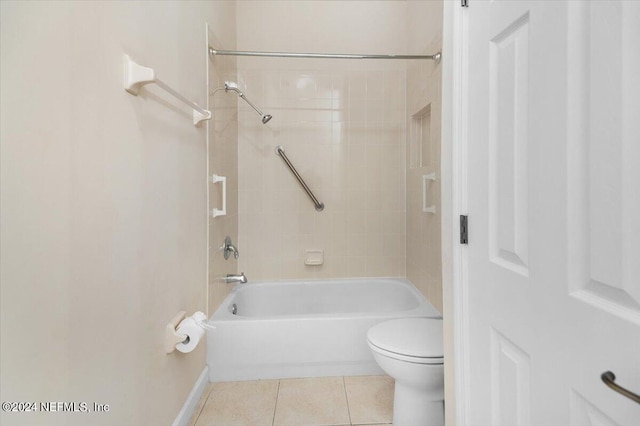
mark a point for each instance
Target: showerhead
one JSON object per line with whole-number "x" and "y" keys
{"x": 230, "y": 85}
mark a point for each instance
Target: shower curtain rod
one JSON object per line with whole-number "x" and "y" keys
{"x": 213, "y": 52}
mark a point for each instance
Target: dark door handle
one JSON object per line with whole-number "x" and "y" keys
{"x": 609, "y": 379}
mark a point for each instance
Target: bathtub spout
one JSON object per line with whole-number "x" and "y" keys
{"x": 236, "y": 278}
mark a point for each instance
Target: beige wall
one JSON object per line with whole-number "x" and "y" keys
{"x": 316, "y": 26}
{"x": 103, "y": 220}
{"x": 342, "y": 125}
{"x": 424, "y": 81}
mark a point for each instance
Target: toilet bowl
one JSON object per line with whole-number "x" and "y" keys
{"x": 410, "y": 350}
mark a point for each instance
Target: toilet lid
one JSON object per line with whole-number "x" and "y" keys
{"x": 417, "y": 337}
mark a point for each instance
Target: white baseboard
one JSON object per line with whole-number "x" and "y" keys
{"x": 192, "y": 400}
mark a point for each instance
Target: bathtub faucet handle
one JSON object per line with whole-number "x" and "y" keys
{"x": 228, "y": 247}
{"x": 236, "y": 253}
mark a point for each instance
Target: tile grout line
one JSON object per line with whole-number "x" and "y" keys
{"x": 275, "y": 407}
{"x": 346, "y": 397}
{"x": 204, "y": 404}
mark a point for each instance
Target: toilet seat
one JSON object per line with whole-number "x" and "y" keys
{"x": 416, "y": 340}
{"x": 406, "y": 358}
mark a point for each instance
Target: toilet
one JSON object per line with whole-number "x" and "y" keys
{"x": 410, "y": 350}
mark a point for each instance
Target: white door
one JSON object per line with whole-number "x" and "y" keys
{"x": 553, "y": 289}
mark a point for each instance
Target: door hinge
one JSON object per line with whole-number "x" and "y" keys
{"x": 464, "y": 3}
{"x": 463, "y": 230}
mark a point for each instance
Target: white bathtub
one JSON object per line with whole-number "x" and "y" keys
{"x": 285, "y": 329}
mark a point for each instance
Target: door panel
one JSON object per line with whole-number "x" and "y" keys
{"x": 584, "y": 413}
{"x": 605, "y": 156}
{"x": 508, "y": 141}
{"x": 510, "y": 382}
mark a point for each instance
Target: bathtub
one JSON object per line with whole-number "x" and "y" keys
{"x": 286, "y": 329}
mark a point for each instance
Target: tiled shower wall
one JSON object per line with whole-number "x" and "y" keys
{"x": 223, "y": 161}
{"x": 343, "y": 128}
{"x": 424, "y": 81}
{"x": 424, "y": 268}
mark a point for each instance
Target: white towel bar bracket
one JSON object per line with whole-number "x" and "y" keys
{"x": 136, "y": 76}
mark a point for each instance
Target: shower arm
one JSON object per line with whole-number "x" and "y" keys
{"x": 232, "y": 86}
{"x": 255, "y": 108}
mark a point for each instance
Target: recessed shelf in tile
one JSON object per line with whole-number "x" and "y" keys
{"x": 420, "y": 146}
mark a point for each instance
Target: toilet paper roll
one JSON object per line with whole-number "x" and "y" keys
{"x": 199, "y": 316}
{"x": 193, "y": 331}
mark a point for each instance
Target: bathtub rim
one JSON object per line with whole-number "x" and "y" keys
{"x": 424, "y": 309}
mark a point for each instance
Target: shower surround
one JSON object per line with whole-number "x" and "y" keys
{"x": 344, "y": 125}
{"x": 344, "y": 130}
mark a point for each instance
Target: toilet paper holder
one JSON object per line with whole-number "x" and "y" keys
{"x": 171, "y": 338}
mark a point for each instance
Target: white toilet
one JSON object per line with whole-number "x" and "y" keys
{"x": 410, "y": 350}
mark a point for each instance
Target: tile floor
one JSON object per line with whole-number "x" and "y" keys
{"x": 328, "y": 401}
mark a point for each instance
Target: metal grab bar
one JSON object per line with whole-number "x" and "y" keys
{"x": 609, "y": 379}
{"x": 318, "y": 205}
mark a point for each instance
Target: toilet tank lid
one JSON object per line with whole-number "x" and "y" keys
{"x": 418, "y": 337}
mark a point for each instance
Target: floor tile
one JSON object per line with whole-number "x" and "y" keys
{"x": 240, "y": 404}
{"x": 313, "y": 401}
{"x": 200, "y": 406}
{"x": 370, "y": 399}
